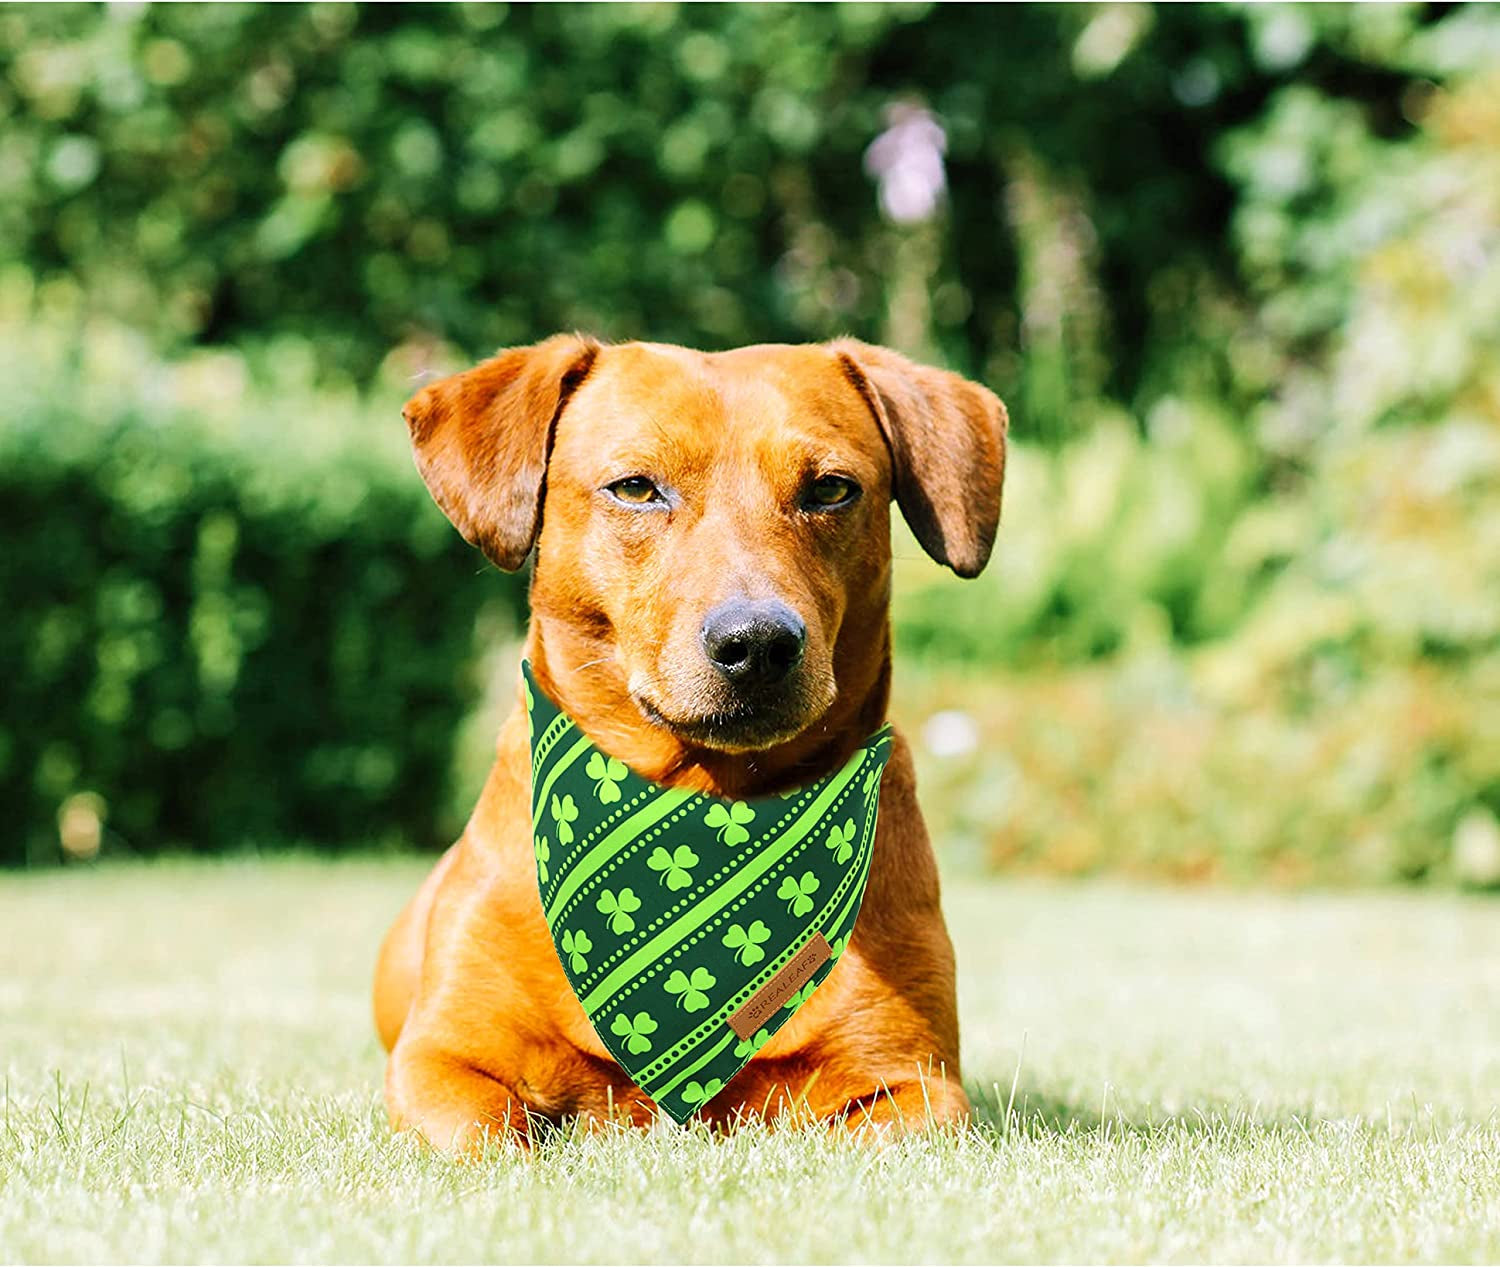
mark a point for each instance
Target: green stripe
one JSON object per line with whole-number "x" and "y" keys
{"x": 731, "y": 889}
{"x": 855, "y": 897}
{"x": 563, "y": 762}
{"x": 602, "y": 966}
{"x": 867, "y": 851}
{"x": 861, "y": 871}
{"x": 545, "y": 742}
{"x": 653, "y": 812}
{"x": 584, "y": 841}
{"x": 737, "y": 1000}
{"x": 854, "y": 880}
{"x": 851, "y": 883}
{"x": 657, "y": 1093}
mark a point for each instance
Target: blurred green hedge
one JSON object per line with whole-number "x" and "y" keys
{"x": 1236, "y": 269}
{"x": 235, "y": 618}
{"x": 215, "y": 635}
{"x": 355, "y": 177}
{"x": 1302, "y": 617}
{"x": 1341, "y": 727}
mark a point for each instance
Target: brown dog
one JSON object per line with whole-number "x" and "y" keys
{"x": 710, "y": 604}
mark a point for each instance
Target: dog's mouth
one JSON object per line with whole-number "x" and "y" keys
{"x": 746, "y": 727}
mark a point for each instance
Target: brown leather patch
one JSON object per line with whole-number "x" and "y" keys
{"x": 793, "y": 975}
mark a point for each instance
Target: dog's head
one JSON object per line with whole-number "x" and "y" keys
{"x": 713, "y": 529}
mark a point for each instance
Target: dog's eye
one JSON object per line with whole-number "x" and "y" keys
{"x": 635, "y": 490}
{"x": 829, "y": 491}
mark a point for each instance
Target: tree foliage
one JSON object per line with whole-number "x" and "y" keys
{"x": 1236, "y": 270}
{"x": 360, "y": 177}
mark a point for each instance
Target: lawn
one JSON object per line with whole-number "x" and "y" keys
{"x": 190, "y": 1074}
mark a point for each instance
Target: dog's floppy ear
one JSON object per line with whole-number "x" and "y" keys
{"x": 947, "y": 442}
{"x": 482, "y": 439}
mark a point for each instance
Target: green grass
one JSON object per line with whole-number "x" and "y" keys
{"x": 191, "y": 1075}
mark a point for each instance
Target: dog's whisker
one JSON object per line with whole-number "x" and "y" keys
{"x": 604, "y": 659}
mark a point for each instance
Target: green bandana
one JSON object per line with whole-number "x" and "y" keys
{"x": 692, "y": 928}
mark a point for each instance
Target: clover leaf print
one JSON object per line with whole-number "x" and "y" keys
{"x": 675, "y": 867}
{"x": 801, "y": 997}
{"x": 746, "y": 942}
{"x": 798, "y": 893}
{"x": 606, "y": 773}
{"x": 634, "y": 1031}
{"x": 697, "y": 1094}
{"x": 871, "y": 780}
{"x": 565, "y": 814}
{"x": 543, "y": 853}
{"x": 837, "y": 948}
{"x": 619, "y": 907}
{"x": 691, "y": 991}
{"x": 841, "y": 841}
{"x": 576, "y": 946}
{"x": 729, "y": 821}
{"x": 743, "y": 1050}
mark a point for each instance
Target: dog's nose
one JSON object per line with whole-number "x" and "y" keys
{"x": 754, "y": 643}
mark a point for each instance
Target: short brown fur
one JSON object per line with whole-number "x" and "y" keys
{"x": 470, "y": 1000}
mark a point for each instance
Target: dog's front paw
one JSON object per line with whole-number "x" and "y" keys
{"x": 453, "y": 1106}
{"x": 921, "y": 1103}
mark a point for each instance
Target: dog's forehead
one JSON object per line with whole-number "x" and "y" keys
{"x": 658, "y": 385}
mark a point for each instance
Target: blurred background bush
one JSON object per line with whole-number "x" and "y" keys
{"x": 1236, "y": 270}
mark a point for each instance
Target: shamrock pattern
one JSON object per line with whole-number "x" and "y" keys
{"x": 697, "y": 1093}
{"x": 691, "y": 991}
{"x": 798, "y": 893}
{"x": 746, "y": 1048}
{"x": 576, "y": 946}
{"x": 607, "y": 773}
{"x": 841, "y": 842}
{"x": 676, "y": 868}
{"x": 564, "y": 814}
{"x": 620, "y": 908}
{"x": 664, "y": 924}
{"x": 543, "y": 852}
{"x": 729, "y": 821}
{"x": 635, "y": 1030}
{"x": 747, "y": 942}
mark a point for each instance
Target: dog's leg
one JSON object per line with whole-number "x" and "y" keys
{"x": 793, "y": 1093}
{"x": 398, "y": 970}
{"x": 924, "y": 1099}
{"x": 452, "y": 1104}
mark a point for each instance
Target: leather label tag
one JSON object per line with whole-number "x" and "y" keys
{"x": 791, "y": 977}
